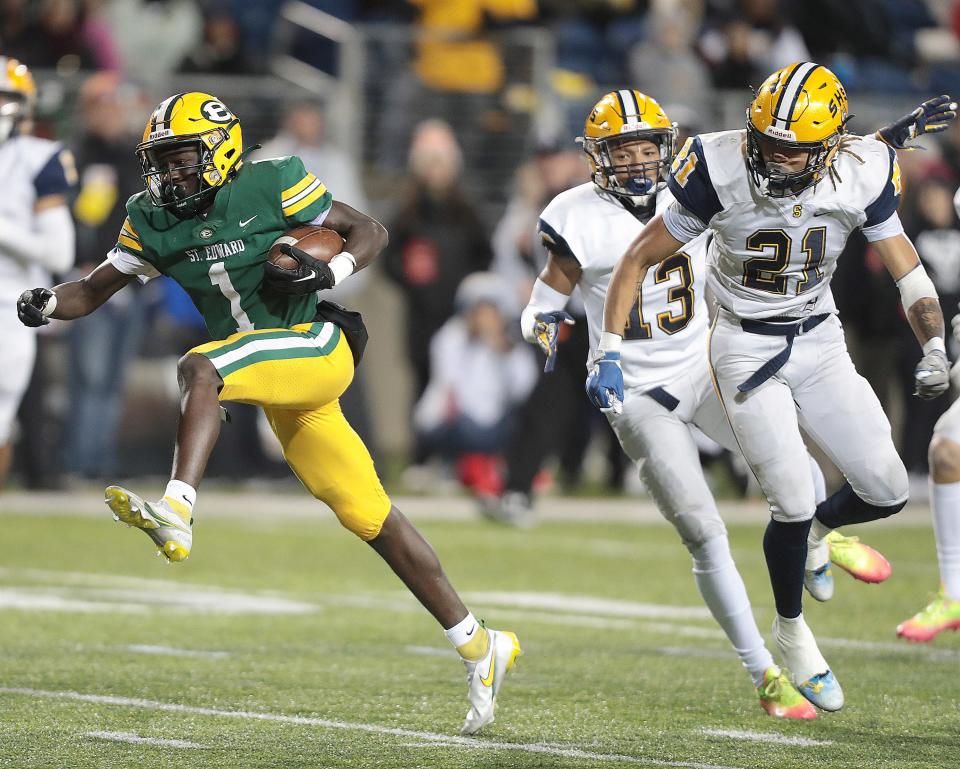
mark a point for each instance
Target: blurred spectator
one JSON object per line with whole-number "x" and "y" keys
{"x": 436, "y": 240}
{"x": 751, "y": 44}
{"x": 478, "y": 375}
{"x": 104, "y": 343}
{"x": 664, "y": 64}
{"x": 58, "y": 34}
{"x": 154, "y": 36}
{"x": 935, "y": 231}
{"x": 303, "y": 133}
{"x": 457, "y": 74}
{"x": 222, "y": 51}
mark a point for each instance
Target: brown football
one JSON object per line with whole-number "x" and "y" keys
{"x": 320, "y": 242}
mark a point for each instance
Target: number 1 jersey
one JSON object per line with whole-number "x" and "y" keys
{"x": 218, "y": 257}
{"x": 666, "y": 332}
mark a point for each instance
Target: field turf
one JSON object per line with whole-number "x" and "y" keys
{"x": 285, "y": 642}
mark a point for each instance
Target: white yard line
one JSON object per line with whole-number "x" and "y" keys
{"x": 136, "y": 739}
{"x": 325, "y": 723}
{"x": 170, "y": 651}
{"x": 771, "y": 737}
{"x": 431, "y": 651}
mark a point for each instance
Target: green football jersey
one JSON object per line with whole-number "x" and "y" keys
{"x": 218, "y": 257}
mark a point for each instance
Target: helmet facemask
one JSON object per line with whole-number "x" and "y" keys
{"x": 164, "y": 192}
{"x": 637, "y": 182}
{"x": 779, "y": 181}
{"x": 13, "y": 111}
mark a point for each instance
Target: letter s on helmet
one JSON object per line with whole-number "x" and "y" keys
{"x": 191, "y": 121}
{"x": 18, "y": 93}
{"x": 618, "y": 118}
{"x": 800, "y": 107}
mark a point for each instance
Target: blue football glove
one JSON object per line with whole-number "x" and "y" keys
{"x": 547, "y": 331}
{"x": 931, "y": 117}
{"x": 605, "y": 383}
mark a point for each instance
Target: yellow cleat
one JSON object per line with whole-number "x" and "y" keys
{"x": 780, "y": 698}
{"x": 942, "y": 613}
{"x": 165, "y": 522}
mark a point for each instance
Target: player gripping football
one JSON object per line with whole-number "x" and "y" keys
{"x": 207, "y": 220}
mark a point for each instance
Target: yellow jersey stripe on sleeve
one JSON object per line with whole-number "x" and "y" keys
{"x": 129, "y": 243}
{"x": 128, "y": 226}
{"x": 310, "y": 195}
{"x": 291, "y": 192}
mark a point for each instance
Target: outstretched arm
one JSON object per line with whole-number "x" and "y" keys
{"x": 651, "y": 246}
{"x": 933, "y": 116}
{"x": 71, "y": 300}
{"x": 922, "y": 306}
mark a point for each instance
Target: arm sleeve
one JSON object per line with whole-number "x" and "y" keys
{"x": 128, "y": 256}
{"x": 690, "y": 182}
{"x": 886, "y": 229}
{"x": 58, "y": 176}
{"x": 553, "y": 240}
{"x": 303, "y": 197}
{"x": 682, "y": 224}
{"x": 51, "y": 242}
{"x": 886, "y": 203}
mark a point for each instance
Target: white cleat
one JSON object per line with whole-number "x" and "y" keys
{"x": 159, "y": 520}
{"x": 808, "y": 670}
{"x": 484, "y": 679}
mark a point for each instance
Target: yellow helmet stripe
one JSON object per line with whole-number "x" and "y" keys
{"x": 790, "y": 92}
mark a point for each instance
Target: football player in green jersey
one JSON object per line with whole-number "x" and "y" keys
{"x": 207, "y": 220}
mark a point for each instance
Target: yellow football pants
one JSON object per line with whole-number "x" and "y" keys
{"x": 296, "y": 376}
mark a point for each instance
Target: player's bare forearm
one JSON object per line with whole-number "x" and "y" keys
{"x": 926, "y": 319}
{"x": 363, "y": 236}
{"x": 81, "y": 297}
{"x": 652, "y": 245}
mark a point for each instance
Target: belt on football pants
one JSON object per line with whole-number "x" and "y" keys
{"x": 778, "y": 361}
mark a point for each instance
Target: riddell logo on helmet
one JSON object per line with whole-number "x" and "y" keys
{"x": 161, "y": 133}
{"x": 643, "y": 125}
{"x": 780, "y": 133}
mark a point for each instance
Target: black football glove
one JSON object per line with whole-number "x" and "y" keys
{"x": 308, "y": 276}
{"x": 931, "y": 117}
{"x": 30, "y": 307}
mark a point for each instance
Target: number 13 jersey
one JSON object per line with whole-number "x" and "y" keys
{"x": 774, "y": 257}
{"x": 666, "y": 331}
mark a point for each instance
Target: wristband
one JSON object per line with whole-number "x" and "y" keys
{"x": 934, "y": 344}
{"x": 342, "y": 266}
{"x": 609, "y": 342}
{"x": 49, "y": 306}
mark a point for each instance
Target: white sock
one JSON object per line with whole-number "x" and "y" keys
{"x": 945, "y": 499}
{"x": 182, "y": 492}
{"x": 724, "y": 593}
{"x": 799, "y": 648}
{"x": 463, "y": 632}
{"x": 818, "y": 551}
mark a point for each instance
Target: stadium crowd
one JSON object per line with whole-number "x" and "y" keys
{"x": 462, "y": 257}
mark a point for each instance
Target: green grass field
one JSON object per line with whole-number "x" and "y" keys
{"x": 289, "y": 644}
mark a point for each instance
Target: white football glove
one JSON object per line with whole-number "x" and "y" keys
{"x": 932, "y": 377}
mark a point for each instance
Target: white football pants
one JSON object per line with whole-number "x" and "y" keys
{"x": 17, "y": 354}
{"x": 818, "y": 389}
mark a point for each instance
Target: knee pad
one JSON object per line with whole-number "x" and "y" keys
{"x": 698, "y": 528}
{"x": 711, "y": 555}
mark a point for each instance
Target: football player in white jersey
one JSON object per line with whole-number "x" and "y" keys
{"x": 780, "y": 200}
{"x": 943, "y": 612}
{"x": 36, "y": 231}
{"x": 630, "y": 143}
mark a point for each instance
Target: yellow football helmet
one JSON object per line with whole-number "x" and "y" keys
{"x": 190, "y": 121}
{"x": 800, "y": 107}
{"x": 18, "y": 93}
{"x": 621, "y": 117}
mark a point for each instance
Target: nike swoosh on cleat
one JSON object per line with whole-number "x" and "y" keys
{"x": 245, "y": 223}
{"x": 472, "y": 631}
{"x": 488, "y": 681}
